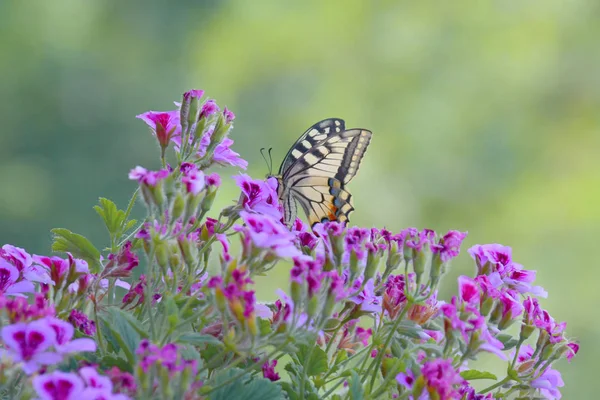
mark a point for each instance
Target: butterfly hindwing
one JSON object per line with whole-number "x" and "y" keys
{"x": 323, "y": 199}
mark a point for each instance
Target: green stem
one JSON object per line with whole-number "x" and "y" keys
{"x": 379, "y": 357}
{"x": 245, "y": 370}
{"x": 496, "y": 385}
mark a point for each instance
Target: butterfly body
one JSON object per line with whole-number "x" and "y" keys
{"x": 316, "y": 169}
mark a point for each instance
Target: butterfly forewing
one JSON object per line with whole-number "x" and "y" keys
{"x": 316, "y": 169}
{"x": 314, "y": 135}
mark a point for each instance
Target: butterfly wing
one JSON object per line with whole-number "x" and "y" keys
{"x": 314, "y": 135}
{"x": 317, "y": 168}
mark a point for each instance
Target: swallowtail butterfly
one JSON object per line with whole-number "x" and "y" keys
{"x": 317, "y": 169}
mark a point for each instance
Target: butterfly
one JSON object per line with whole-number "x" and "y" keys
{"x": 316, "y": 169}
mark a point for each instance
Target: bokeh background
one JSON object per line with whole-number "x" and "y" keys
{"x": 486, "y": 118}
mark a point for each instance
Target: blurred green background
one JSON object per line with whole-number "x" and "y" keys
{"x": 485, "y": 116}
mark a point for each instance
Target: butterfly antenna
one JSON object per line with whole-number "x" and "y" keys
{"x": 270, "y": 162}
{"x": 262, "y": 153}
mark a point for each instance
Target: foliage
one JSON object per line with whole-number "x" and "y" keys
{"x": 360, "y": 319}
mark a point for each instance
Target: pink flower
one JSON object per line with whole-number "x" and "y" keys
{"x": 192, "y": 178}
{"x": 82, "y": 322}
{"x": 441, "y": 378}
{"x": 264, "y": 232}
{"x": 496, "y": 255}
{"x": 164, "y": 125}
{"x": 468, "y": 290}
{"x": 145, "y": 177}
{"x": 58, "y": 385}
{"x": 208, "y": 108}
{"x": 448, "y": 247}
{"x": 229, "y": 115}
{"x": 259, "y": 196}
{"x": 28, "y": 343}
{"x": 268, "y": 369}
{"x": 367, "y": 300}
{"x": 572, "y": 351}
{"x": 23, "y": 261}
{"x": 548, "y": 384}
{"x": 9, "y": 280}
{"x": 213, "y": 180}
{"x": 406, "y": 379}
{"x": 64, "y": 333}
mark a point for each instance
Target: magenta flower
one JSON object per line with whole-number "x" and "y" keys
{"x": 82, "y": 322}
{"x": 192, "y": 178}
{"x": 145, "y": 177}
{"x": 259, "y": 196}
{"x": 213, "y": 180}
{"x": 268, "y": 234}
{"x": 58, "y": 385}
{"x": 93, "y": 379}
{"x": 405, "y": 379}
{"x": 164, "y": 125}
{"x": 64, "y": 333}
{"x": 441, "y": 378}
{"x": 363, "y": 335}
{"x": 548, "y": 384}
{"x": 452, "y": 321}
{"x": 229, "y": 115}
{"x": 18, "y": 308}
{"x": 468, "y": 290}
{"x": 122, "y": 263}
{"x": 448, "y": 247}
{"x": 208, "y": 108}
{"x": 9, "y": 280}
{"x": 519, "y": 279}
{"x": 367, "y": 300}
{"x": 511, "y": 307}
{"x": 28, "y": 343}
{"x": 309, "y": 271}
{"x": 23, "y": 261}
{"x": 497, "y": 255}
{"x": 572, "y": 351}
{"x": 268, "y": 369}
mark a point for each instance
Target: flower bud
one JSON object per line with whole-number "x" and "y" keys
{"x": 251, "y": 323}
{"x": 296, "y": 289}
{"x": 162, "y": 255}
{"x": 486, "y": 305}
{"x": 313, "y": 305}
{"x": 178, "y": 206}
{"x": 526, "y": 331}
{"x": 208, "y": 199}
{"x": 373, "y": 259}
{"x": 419, "y": 263}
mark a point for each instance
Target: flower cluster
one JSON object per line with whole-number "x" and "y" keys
{"x": 169, "y": 309}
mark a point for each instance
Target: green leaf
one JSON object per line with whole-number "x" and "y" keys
{"x": 355, "y": 388}
{"x": 240, "y": 386}
{"x": 507, "y": 340}
{"x": 131, "y": 320}
{"x": 113, "y": 217}
{"x": 264, "y": 327}
{"x": 410, "y": 329}
{"x": 80, "y": 247}
{"x": 198, "y": 339}
{"x": 473, "y": 374}
{"x": 123, "y": 332}
{"x": 317, "y": 364}
{"x": 110, "y": 361}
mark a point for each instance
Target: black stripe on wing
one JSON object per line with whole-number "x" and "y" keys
{"x": 338, "y": 157}
{"x": 323, "y": 199}
{"x": 313, "y": 136}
